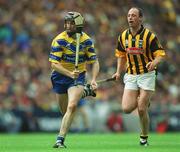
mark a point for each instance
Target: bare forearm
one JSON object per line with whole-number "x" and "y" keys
{"x": 59, "y": 68}
{"x": 151, "y": 65}
{"x": 157, "y": 60}
{"x": 121, "y": 64}
{"x": 95, "y": 70}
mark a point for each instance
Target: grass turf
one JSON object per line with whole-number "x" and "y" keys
{"x": 123, "y": 142}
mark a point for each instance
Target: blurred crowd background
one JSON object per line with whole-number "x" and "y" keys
{"x": 26, "y": 31}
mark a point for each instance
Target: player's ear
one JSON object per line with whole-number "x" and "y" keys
{"x": 141, "y": 19}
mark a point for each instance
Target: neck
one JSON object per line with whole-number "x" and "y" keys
{"x": 134, "y": 30}
{"x": 71, "y": 34}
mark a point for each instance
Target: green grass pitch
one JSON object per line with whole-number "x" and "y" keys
{"x": 117, "y": 142}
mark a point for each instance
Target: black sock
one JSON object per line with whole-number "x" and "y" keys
{"x": 60, "y": 139}
{"x": 88, "y": 91}
{"x": 143, "y": 138}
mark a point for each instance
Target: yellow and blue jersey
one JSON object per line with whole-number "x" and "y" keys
{"x": 63, "y": 50}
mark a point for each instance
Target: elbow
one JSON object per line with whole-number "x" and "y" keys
{"x": 97, "y": 65}
{"x": 97, "y": 62}
{"x": 53, "y": 65}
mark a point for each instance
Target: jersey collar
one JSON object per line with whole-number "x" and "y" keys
{"x": 140, "y": 30}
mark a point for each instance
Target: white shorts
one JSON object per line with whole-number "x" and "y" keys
{"x": 144, "y": 81}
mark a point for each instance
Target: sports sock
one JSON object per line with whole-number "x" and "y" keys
{"x": 143, "y": 139}
{"x": 60, "y": 139}
{"x": 88, "y": 91}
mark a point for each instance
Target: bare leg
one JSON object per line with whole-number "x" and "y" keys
{"x": 74, "y": 94}
{"x": 143, "y": 103}
{"x": 63, "y": 102}
{"x": 129, "y": 100}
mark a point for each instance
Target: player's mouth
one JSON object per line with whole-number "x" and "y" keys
{"x": 130, "y": 22}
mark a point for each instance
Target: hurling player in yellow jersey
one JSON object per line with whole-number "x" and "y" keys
{"x": 64, "y": 74}
{"x": 139, "y": 52}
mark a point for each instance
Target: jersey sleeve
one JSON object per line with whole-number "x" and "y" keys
{"x": 157, "y": 48}
{"x": 90, "y": 51}
{"x": 56, "y": 52}
{"x": 120, "y": 49}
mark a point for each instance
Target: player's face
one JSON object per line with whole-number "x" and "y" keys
{"x": 133, "y": 18}
{"x": 70, "y": 26}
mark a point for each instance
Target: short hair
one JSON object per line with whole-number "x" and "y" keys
{"x": 140, "y": 11}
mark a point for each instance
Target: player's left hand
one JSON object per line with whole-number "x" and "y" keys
{"x": 151, "y": 66}
{"x": 94, "y": 85}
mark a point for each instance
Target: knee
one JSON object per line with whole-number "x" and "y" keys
{"x": 126, "y": 109}
{"x": 72, "y": 107}
{"x": 142, "y": 111}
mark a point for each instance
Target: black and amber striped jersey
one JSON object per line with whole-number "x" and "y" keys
{"x": 63, "y": 50}
{"x": 138, "y": 50}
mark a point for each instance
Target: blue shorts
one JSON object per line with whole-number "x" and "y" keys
{"x": 61, "y": 83}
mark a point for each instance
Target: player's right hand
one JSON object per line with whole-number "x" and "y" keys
{"x": 116, "y": 75}
{"x": 75, "y": 74}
